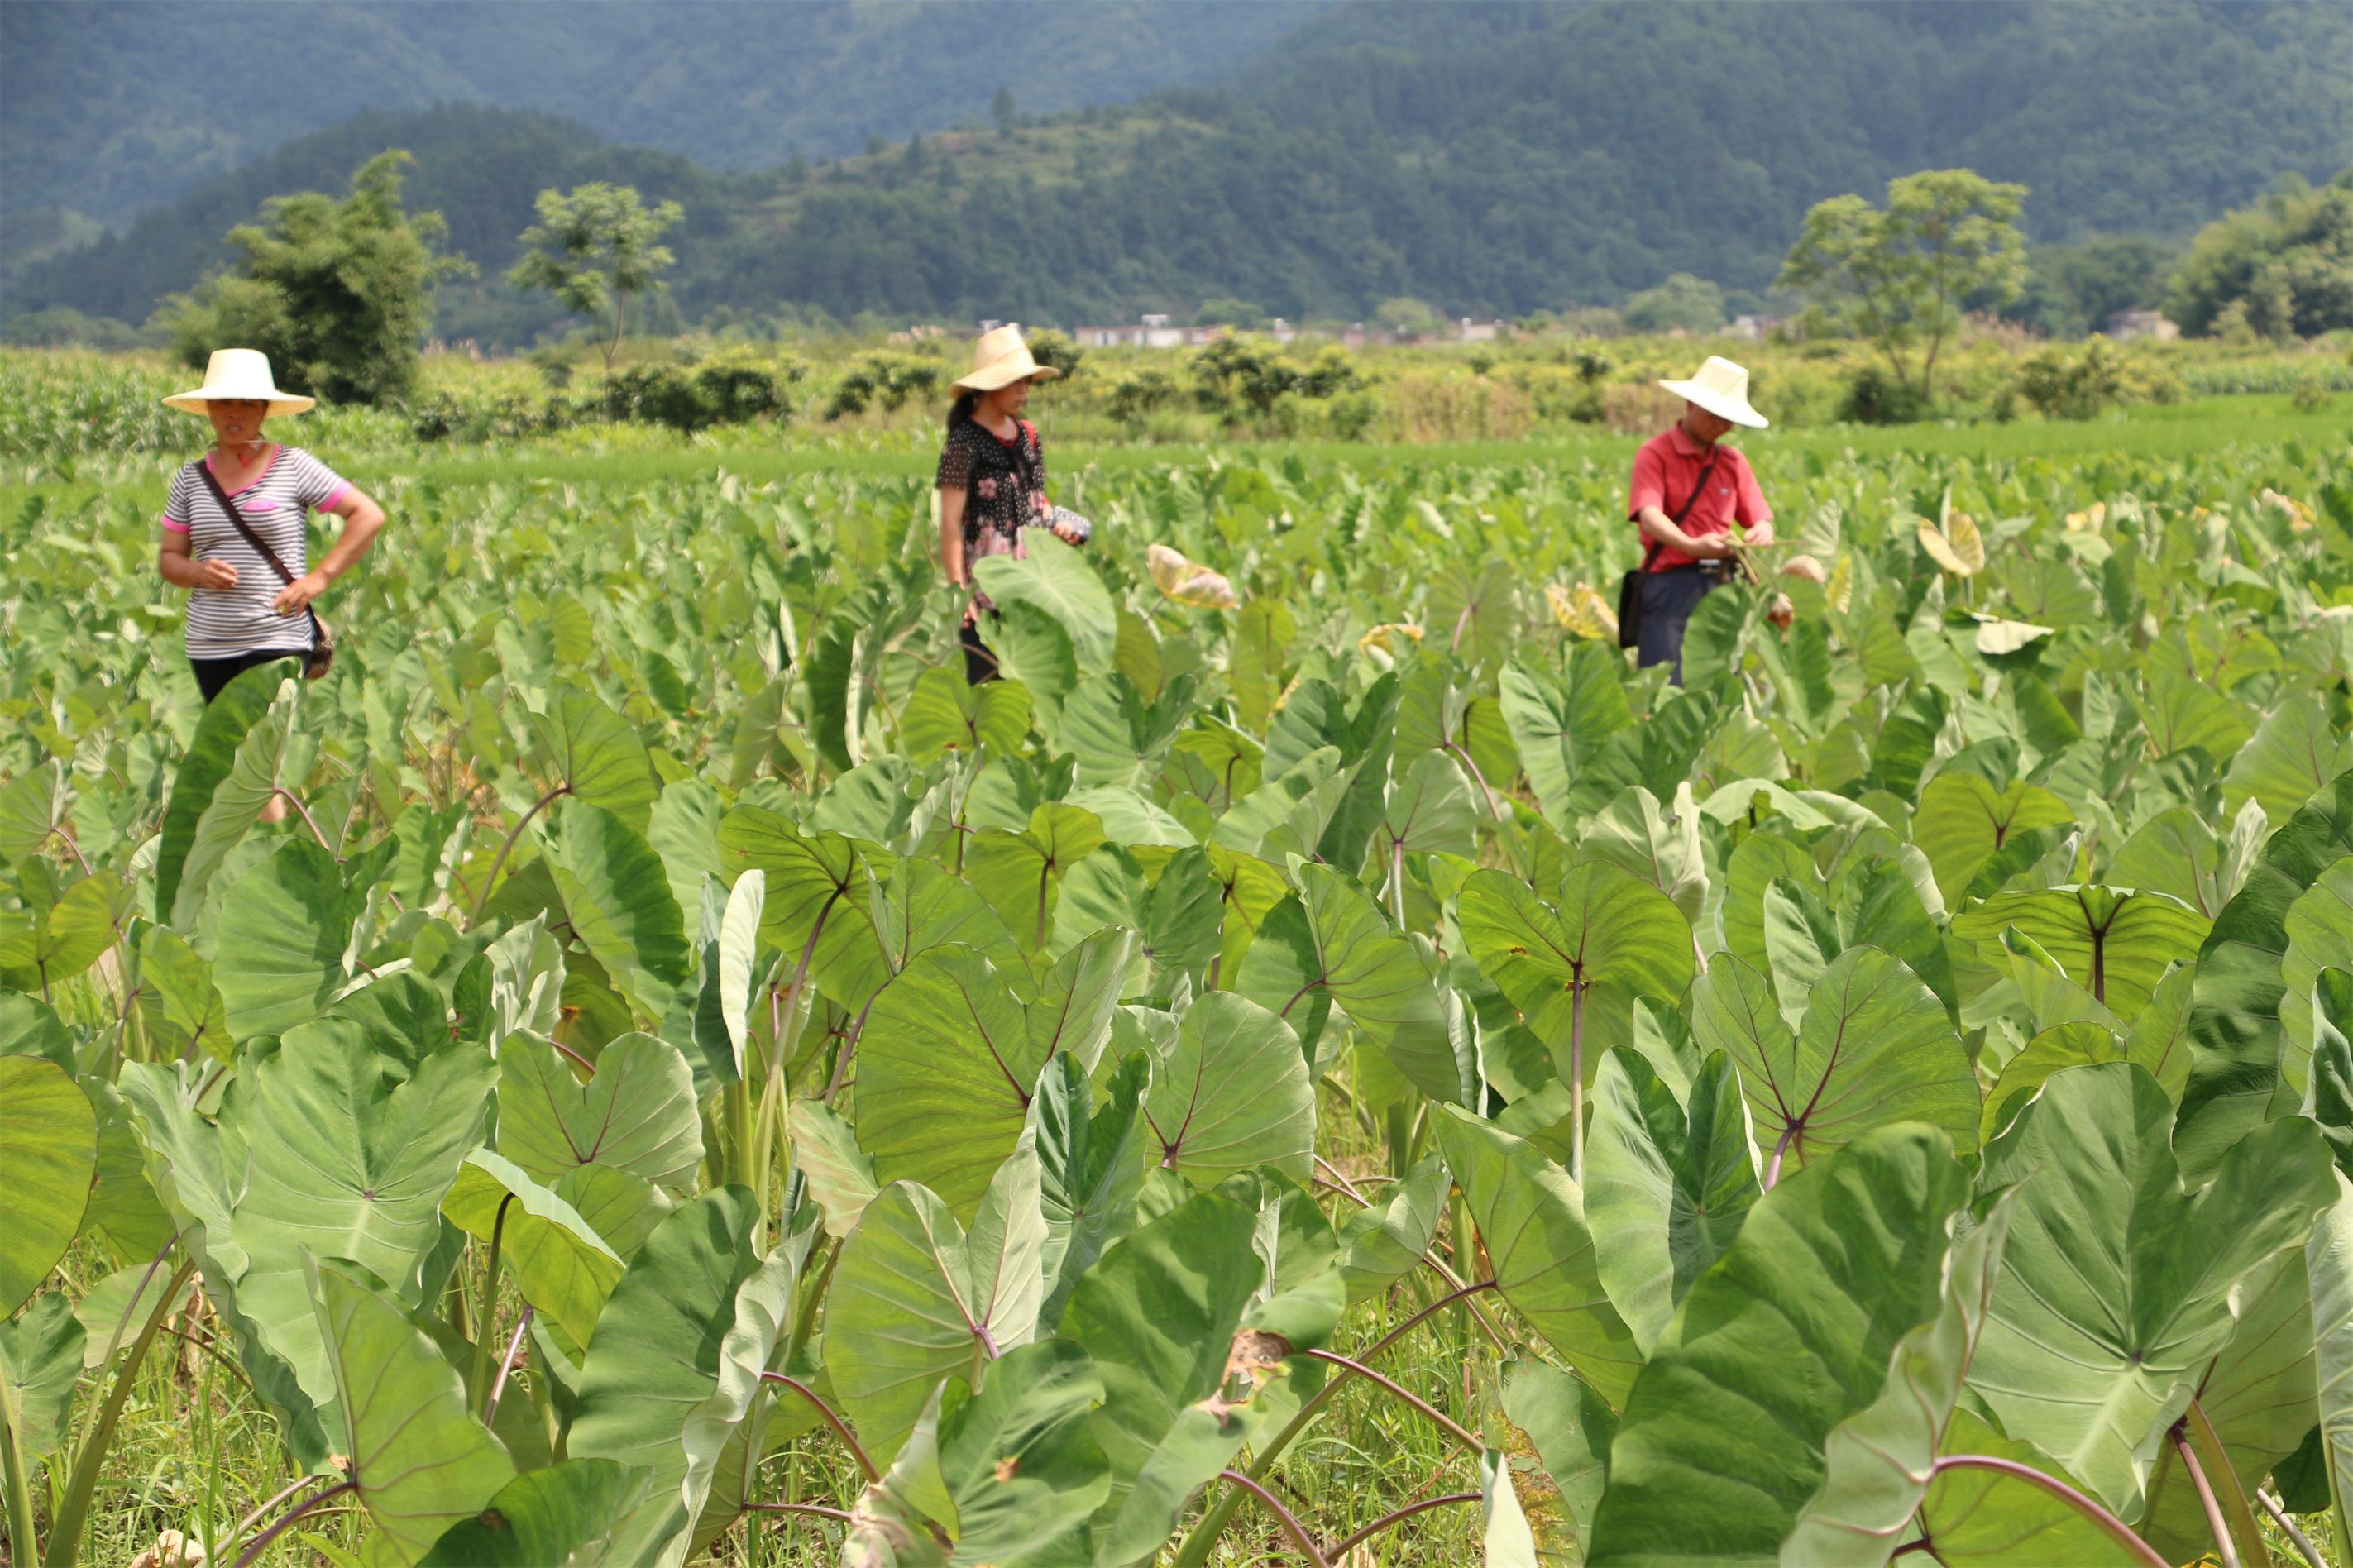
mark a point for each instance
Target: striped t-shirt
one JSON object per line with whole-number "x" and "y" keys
{"x": 226, "y": 622}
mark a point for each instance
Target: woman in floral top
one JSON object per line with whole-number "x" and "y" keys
{"x": 992, "y": 476}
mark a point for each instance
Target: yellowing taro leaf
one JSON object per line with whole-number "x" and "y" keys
{"x": 1958, "y": 547}
{"x": 2089, "y": 520}
{"x": 2299, "y": 516}
{"x": 1189, "y": 582}
{"x": 1391, "y": 634}
{"x": 1582, "y": 611}
{"x": 1998, "y": 636}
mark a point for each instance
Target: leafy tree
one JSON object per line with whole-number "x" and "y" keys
{"x": 1691, "y": 304}
{"x": 339, "y": 294}
{"x": 1230, "y": 312}
{"x": 1404, "y": 315}
{"x": 1055, "y": 350}
{"x": 593, "y": 248}
{"x": 2284, "y": 266}
{"x": 1899, "y": 275}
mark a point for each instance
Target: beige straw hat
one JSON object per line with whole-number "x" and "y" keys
{"x": 239, "y": 373}
{"x": 1722, "y": 388}
{"x": 1001, "y": 358}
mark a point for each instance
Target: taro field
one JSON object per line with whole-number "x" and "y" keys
{"x": 1324, "y": 1064}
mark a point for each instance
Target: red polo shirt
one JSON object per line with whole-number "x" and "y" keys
{"x": 1667, "y": 467}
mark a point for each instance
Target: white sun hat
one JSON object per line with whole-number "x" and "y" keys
{"x": 1722, "y": 388}
{"x": 1001, "y": 358}
{"x": 234, "y": 375}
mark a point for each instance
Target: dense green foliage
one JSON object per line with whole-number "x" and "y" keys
{"x": 692, "y": 1056}
{"x": 1481, "y": 158}
{"x": 2281, "y": 268}
{"x": 337, "y": 293}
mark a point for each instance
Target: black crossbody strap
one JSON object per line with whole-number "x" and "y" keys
{"x": 1651, "y": 552}
{"x": 260, "y": 546}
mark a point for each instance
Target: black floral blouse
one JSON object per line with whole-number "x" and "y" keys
{"x": 1005, "y": 483}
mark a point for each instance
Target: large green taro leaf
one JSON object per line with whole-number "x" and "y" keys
{"x": 2116, "y": 945}
{"x": 636, "y": 1113}
{"x": 2319, "y": 927}
{"x": 949, "y": 1055}
{"x": 48, "y": 1155}
{"x": 211, "y": 756}
{"x": 344, "y": 1160}
{"x": 1874, "y": 1047}
{"x": 2328, "y": 1263}
{"x": 2294, "y": 752}
{"x": 278, "y": 955}
{"x": 565, "y": 1516}
{"x": 1725, "y": 1438}
{"x": 2258, "y": 1394}
{"x": 238, "y": 799}
{"x": 948, "y": 714}
{"x": 2116, "y": 1289}
{"x": 1344, "y": 953}
{"x": 1053, "y": 577}
{"x": 1570, "y": 1427}
{"x": 1019, "y": 1457}
{"x": 1561, "y": 728}
{"x": 1666, "y": 1187}
{"x": 1531, "y": 1217}
{"x": 564, "y": 1269}
{"x": 61, "y": 941}
{"x": 1974, "y": 834}
{"x": 617, "y": 897}
{"x": 1233, "y": 1096}
{"x": 1090, "y": 1168}
{"x": 188, "y": 1164}
{"x": 680, "y": 1345}
{"x": 1157, "y": 1314}
{"x": 1573, "y": 966}
{"x": 916, "y": 1297}
{"x": 41, "y": 1357}
{"x": 593, "y": 754}
{"x": 1878, "y": 1462}
{"x": 420, "y": 1461}
{"x": 1987, "y": 1515}
{"x": 2238, "y": 1042}
{"x": 1384, "y": 1241}
{"x": 174, "y": 1008}
{"x": 1020, "y": 874}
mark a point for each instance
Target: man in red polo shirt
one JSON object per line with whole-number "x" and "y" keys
{"x": 1688, "y": 491}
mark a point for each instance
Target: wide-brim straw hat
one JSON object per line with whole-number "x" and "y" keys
{"x": 239, "y": 374}
{"x": 1722, "y": 388}
{"x": 999, "y": 358}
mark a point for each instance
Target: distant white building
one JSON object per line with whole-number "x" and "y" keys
{"x": 2127, "y": 325}
{"x": 1153, "y": 331}
{"x": 1753, "y": 328}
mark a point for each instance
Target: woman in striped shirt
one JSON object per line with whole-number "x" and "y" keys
{"x": 239, "y": 614}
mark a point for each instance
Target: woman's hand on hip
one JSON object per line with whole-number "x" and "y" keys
{"x": 296, "y": 596}
{"x": 216, "y": 574}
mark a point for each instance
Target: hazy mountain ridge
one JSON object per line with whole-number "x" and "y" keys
{"x": 114, "y": 106}
{"x": 1488, "y": 157}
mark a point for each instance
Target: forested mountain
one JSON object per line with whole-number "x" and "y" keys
{"x": 1486, "y": 157}
{"x": 113, "y": 106}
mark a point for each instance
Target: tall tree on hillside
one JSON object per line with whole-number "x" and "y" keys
{"x": 1899, "y": 275}
{"x": 339, "y": 294}
{"x": 592, "y": 246}
{"x": 2283, "y": 267}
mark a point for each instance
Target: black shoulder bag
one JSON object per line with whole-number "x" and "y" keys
{"x": 322, "y": 646}
{"x": 1629, "y": 591}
